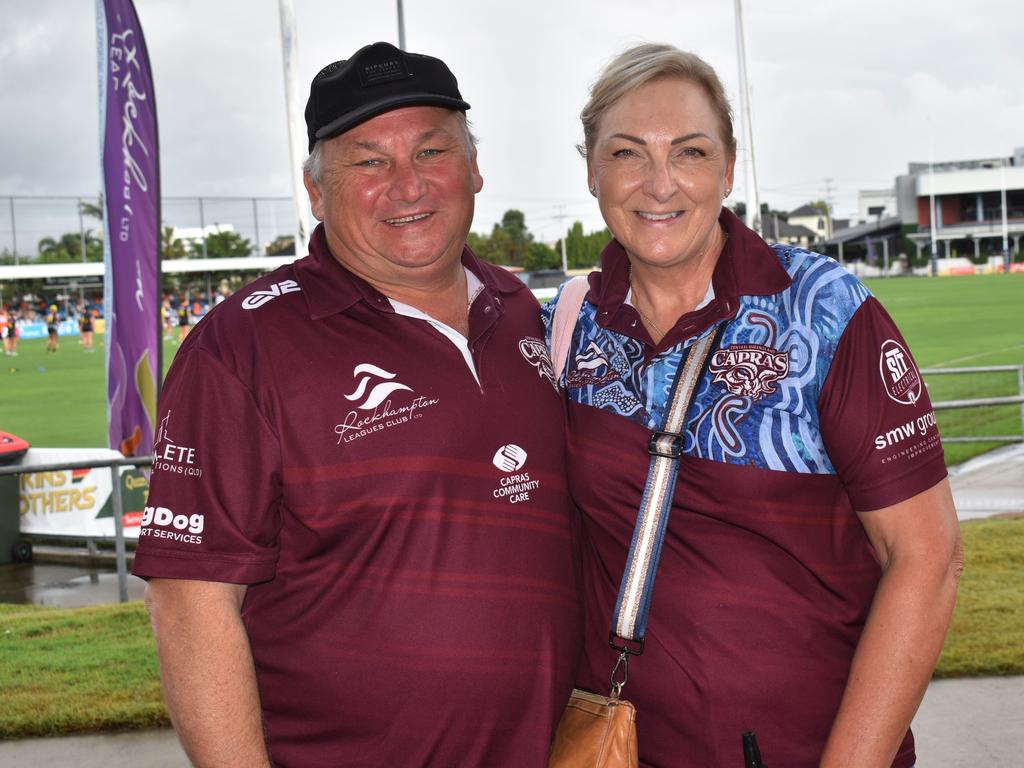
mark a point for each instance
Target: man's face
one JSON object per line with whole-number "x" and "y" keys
{"x": 396, "y": 197}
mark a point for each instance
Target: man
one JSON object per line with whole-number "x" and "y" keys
{"x": 359, "y": 543}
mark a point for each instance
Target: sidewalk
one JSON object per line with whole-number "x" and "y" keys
{"x": 991, "y": 484}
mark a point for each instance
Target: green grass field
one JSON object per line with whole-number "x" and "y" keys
{"x": 58, "y": 400}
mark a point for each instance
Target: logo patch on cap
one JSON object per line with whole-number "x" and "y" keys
{"x": 380, "y": 72}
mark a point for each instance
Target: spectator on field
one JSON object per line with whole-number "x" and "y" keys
{"x": 810, "y": 561}
{"x": 360, "y": 546}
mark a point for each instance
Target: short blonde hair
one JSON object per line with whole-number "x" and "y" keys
{"x": 646, "y": 63}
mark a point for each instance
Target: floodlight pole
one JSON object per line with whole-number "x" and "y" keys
{"x": 401, "y": 26}
{"x": 1006, "y": 229}
{"x": 753, "y": 216}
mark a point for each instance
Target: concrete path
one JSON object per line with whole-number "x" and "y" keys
{"x": 991, "y": 484}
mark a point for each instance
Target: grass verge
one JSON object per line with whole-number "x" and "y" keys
{"x": 77, "y": 670}
{"x": 988, "y": 623}
{"x": 93, "y": 669}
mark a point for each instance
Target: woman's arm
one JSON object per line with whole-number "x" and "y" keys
{"x": 918, "y": 545}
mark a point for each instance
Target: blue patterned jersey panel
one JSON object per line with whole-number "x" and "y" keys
{"x": 757, "y": 404}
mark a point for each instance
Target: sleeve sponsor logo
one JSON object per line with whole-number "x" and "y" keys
{"x": 162, "y": 523}
{"x": 909, "y": 440}
{"x": 257, "y": 299}
{"x": 374, "y": 411}
{"x": 749, "y": 370}
{"x": 515, "y": 487}
{"x": 536, "y": 354}
{"x": 168, "y": 456}
{"x": 899, "y": 374}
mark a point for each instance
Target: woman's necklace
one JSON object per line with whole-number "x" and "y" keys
{"x": 643, "y": 315}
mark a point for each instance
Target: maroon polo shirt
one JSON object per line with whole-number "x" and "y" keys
{"x": 403, "y": 524}
{"x": 810, "y": 410}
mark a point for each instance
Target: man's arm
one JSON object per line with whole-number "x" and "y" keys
{"x": 918, "y": 545}
{"x": 207, "y": 671}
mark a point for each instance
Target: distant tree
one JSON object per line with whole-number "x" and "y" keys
{"x": 172, "y": 247}
{"x": 68, "y": 248}
{"x": 583, "y": 251}
{"x": 540, "y": 256}
{"x": 227, "y": 244}
{"x": 93, "y": 210}
{"x": 740, "y": 209}
{"x": 282, "y": 246}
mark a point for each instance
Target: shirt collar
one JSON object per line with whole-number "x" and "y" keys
{"x": 748, "y": 266}
{"x": 329, "y": 288}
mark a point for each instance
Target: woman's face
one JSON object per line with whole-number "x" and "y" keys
{"x": 660, "y": 168}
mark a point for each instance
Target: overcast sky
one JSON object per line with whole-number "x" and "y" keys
{"x": 845, "y": 92}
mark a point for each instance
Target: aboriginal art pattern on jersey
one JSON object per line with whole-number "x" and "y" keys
{"x": 757, "y": 403}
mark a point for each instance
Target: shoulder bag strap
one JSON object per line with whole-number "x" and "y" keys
{"x": 567, "y": 312}
{"x": 629, "y": 620}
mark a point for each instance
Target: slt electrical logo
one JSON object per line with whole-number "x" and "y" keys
{"x": 374, "y": 410}
{"x": 899, "y": 374}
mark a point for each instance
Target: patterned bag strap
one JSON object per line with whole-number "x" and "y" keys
{"x": 567, "y": 312}
{"x": 629, "y": 619}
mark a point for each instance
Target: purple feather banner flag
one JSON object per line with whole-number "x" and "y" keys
{"x": 129, "y": 156}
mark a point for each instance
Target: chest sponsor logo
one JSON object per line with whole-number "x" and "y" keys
{"x": 591, "y": 368}
{"x": 374, "y": 410}
{"x": 515, "y": 486}
{"x": 899, "y": 374}
{"x": 169, "y": 456}
{"x": 536, "y": 354}
{"x": 163, "y": 523}
{"x": 749, "y": 370}
{"x": 257, "y": 299}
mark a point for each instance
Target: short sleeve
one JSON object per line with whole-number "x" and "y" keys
{"x": 876, "y": 418}
{"x": 213, "y": 506}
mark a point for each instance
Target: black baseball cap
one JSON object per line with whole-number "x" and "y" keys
{"x": 377, "y": 79}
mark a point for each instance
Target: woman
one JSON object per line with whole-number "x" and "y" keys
{"x": 52, "y": 328}
{"x": 86, "y": 329}
{"x": 809, "y": 569}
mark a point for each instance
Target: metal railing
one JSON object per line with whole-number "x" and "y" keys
{"x": 981, "y": 402}
{"x": 115, "y": 496}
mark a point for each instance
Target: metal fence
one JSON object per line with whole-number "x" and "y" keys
{"x": 982, "y": 402}
{"x": 115, "y": 496}
{"x": 25, "y": 220}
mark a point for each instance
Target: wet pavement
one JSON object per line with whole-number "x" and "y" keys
{"x": 64, "y": 586}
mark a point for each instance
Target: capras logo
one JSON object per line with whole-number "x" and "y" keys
{"x": 749, "y": 370}
{"x": 535, "y": 353}
{"x": 257, "y": 299}
{"x": 163, "y": 517}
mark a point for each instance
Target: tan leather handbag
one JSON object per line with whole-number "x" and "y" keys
{"x": 595, "y": 732}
